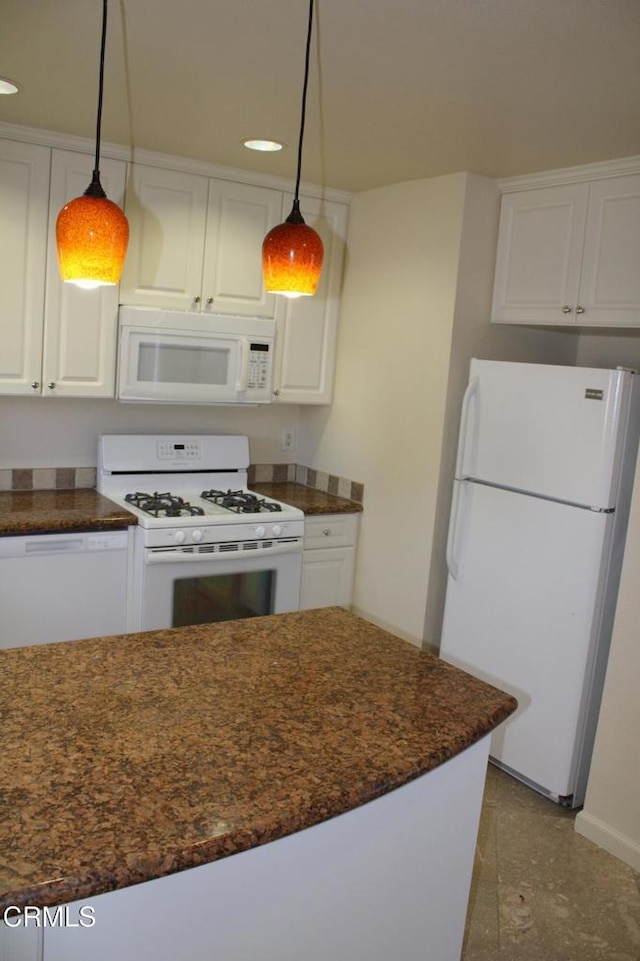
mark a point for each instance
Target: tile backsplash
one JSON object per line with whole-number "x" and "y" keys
{"x": 68, "y": 478}
{"x": 309, "y": 477}
{"x": 46, "y": 478}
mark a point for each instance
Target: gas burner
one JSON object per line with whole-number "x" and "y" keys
{"x": 240, "y": 502}
{"x": 162, "y": 505}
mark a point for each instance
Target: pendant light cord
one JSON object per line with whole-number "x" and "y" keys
{"x": 295, "y": 217}
{"x": 95, "y": 187}
{"x": 304, "y": 96}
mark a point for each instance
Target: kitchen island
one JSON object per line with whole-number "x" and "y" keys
{"x": 340, "y": 767}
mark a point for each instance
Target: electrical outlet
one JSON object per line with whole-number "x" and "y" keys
{"x": 288, "y": 438}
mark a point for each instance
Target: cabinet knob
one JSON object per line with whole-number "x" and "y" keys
{"x": 276, "y": 392}
{"x": 51, "y": 385}
{"x": 566, "y": 309}
{"x": 209, "y": 300}
{"x": 196, "y": 301}
{"x": 35, "y": 384}
{"x": 326, "y": 531}
{"x": 579, "y": 310}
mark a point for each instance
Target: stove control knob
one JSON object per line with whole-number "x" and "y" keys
{"x": 179, "y": 537}
{"x": 276, "y": 530}
{"x": 197, "y": 536}
{"x": 261, "y": 530}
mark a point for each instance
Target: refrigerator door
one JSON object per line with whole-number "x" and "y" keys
{"x": 553, "y": 431}
{"x": 523, "y": 612}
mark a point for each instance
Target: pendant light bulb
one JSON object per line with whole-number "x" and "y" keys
{"x": 292, "y": 252}
{"x": 92, "y": 232}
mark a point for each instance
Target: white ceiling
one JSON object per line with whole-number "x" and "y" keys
{"x": 400, "y": 89}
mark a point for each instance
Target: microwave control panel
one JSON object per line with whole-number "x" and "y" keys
{"x": 258, "y": 375}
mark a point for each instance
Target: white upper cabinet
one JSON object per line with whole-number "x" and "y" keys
{"x": 306, "y": 327}
{"x": 239, "y": 217}
{"x": 80, "y": 329}
{"x": 196, "y": 242}
{"x": 58, "y": 340}
{"x": 24, "y": 202}
{"x": 167, "y": 213}
{"x": 569, "y": 254}
{"x": 610, "y": 283}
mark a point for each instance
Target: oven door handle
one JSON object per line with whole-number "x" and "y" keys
{"x": 196, "y": 555}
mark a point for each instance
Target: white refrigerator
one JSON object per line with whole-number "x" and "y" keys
{"x": 544, "y": 472}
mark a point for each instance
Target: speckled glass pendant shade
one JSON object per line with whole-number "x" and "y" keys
{"x": 292, "y": 256}
{"x": 292, "y": 252}
{"x": 92, "y": 232}
{"x": 92, "y": 235}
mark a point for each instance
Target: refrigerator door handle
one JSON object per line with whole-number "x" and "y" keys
{"x": 469, "y": 394}
{"x": 452, "y": 562}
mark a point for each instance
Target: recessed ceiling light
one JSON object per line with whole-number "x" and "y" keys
{"x": 8, "y": 86}
{"x": 264, "y": 145}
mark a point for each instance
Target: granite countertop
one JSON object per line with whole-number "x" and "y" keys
{"x": 307, "y": 499}
{"x": 82, "y": 509}
{"x": 59, "y": 511}
{"x": 129, "y": 758}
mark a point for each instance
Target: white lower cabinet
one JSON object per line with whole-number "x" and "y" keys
{"x": 328, "y": 561}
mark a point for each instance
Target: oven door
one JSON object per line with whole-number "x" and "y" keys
{"x": 183, "y": 585}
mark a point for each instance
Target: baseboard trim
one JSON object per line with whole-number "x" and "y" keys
{"x": 608, "y": 838}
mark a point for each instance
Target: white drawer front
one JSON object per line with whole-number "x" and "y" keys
{"x": 330, "y": 530}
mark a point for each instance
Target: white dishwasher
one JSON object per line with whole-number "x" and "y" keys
{"x": 60, "y": 587}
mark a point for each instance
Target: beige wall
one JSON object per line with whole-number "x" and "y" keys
{"x": 415, "y": 308}
{"x": 385, "y": 425}
{"x": 474, "y": 336}
{"x": 55, "y": 432}
{"x": 603, "y": 348}
{"x": 611, "y": 814}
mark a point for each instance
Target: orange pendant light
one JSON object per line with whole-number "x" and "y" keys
{"x": 292, "y": 252}
{"x": 92, "y": 232}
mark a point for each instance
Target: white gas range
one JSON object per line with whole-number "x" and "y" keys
{"x": 206, "y": 547}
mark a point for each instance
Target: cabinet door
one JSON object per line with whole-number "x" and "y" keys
{"x": 238, "y": 218}
{"x": 539, "y": 255}
{"x": 24, "y": 198}
{"x": 327, "y": 578}
{"x": 79, "y": 358}
{"x": 306, "y": 328}
{"x": 610, "y": 283}
{"x": 167, "y": 215}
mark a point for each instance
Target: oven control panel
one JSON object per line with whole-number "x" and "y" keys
{"x": 179, "y": 451}
{"x": 228, "y": 538}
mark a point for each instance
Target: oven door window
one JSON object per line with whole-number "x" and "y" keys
{"x": 222, "y": 597}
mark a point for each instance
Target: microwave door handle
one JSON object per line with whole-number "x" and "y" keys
{"x": 243, "y": 367}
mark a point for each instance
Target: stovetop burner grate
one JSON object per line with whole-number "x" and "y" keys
{"x": 162, "y": 505}
{"x": 240, "y": 502}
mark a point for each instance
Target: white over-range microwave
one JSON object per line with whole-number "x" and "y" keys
{"x": 175, "y": 357}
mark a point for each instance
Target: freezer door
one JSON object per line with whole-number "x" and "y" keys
{"x": 522, "y": 612}
{"x": 554, "y": 431}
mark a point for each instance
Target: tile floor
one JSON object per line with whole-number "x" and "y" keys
{"x": 541, "y": 892}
